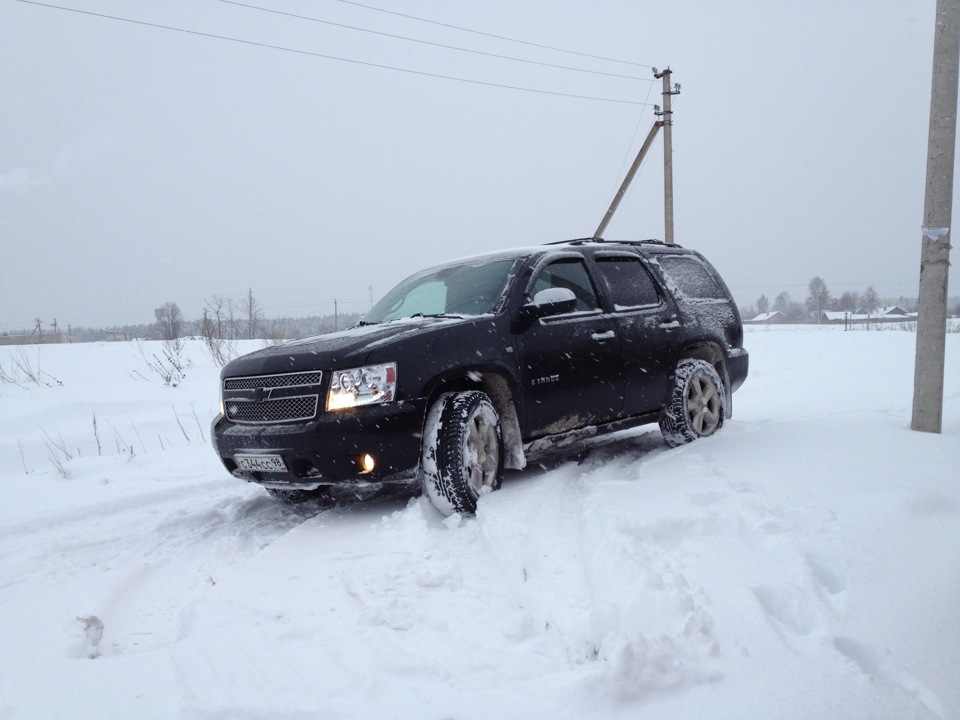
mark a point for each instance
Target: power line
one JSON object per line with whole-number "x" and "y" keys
{"x": 498, "y": 37}
{"x": 428, "y": 42}
{"x": 330, "y": 57}
{"x": 321, "y": 303}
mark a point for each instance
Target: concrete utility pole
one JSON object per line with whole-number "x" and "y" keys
{"x": 665, "y": 121}
{"x": 628, "y": 179}
{"x": 667, "y": 115}
{"x": 937, "y": 212}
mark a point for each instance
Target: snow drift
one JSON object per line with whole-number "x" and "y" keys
{"x": 804, "y": 562}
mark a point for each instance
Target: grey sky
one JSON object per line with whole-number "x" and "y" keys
{"x": 140, "y": 165}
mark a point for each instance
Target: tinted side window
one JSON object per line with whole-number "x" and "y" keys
{"x": 691, "y": 277}
{"x": 629, "y": 282}
{"x": 570, "y": 274}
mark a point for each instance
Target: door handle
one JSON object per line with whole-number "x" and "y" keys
{"x": 601, "y": 336}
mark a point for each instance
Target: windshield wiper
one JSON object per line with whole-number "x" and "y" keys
{"x": 437, "y": 315}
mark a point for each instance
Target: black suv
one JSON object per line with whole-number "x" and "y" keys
{"x": 485, "y": 363}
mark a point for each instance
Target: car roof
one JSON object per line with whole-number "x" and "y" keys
{"x": 592, "y": 243}
{"x": 649, "y": 246}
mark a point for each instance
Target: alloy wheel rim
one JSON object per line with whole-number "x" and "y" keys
{"x": 703, "y": 406}
{"x": 483, "y": 453}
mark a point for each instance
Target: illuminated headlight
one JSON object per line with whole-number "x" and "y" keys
{"x": 362, "y": 386}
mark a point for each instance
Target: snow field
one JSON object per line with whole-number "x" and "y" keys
{"x": 802, "y": 563}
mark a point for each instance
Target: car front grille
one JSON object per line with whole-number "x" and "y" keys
{"x": 271, "y": 381}
{"x": 291, "y": 409}
{"x": 272, "y": 399}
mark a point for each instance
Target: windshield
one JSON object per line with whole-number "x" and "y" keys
{"x": 473, "y": 289}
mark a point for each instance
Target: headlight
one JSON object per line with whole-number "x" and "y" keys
{"x": 362, "y": 386}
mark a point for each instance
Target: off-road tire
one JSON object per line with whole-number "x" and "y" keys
{"x": 697, "y": 406}
{"x": 462, "y": 455}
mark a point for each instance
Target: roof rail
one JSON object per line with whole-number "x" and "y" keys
{"x": 583, "y": 241}
{"x": 577, "y": 241}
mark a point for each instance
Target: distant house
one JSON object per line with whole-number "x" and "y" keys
{"x": 896, "y": 312}
{"x": 768, "y": 318}
{"x": 893, "y": 313}
{"x": 117, "y": 336}
{"x": 838, "y": 316}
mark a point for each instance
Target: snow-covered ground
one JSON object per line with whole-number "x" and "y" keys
{"x": 803, "y": 563}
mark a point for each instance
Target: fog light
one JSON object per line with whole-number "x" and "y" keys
{"x": 367, "y": 463}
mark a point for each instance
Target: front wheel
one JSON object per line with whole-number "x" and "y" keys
{"x": 462, "y": 456}
{"x": 697, "y": 403}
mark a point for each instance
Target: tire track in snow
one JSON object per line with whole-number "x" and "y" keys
{"x": 792, "y": 579}
{"x": 545, "y": 588}
{"x": 611, "y": 576}
{"x": 131, "y": 564}
{"x": 610, "y": 594}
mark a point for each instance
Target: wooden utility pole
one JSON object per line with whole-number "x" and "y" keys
{"x": 937, "y": 212}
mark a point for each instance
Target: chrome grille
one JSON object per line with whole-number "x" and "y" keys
{"x": 288, "y": 409}
{"x": 273, "y": 381}
{"x": 271, "y": 399}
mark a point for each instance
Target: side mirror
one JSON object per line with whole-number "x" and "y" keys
{"x": 546, "y": 303}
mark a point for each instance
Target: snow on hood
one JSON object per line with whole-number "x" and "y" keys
{"x": 336, "y": 349}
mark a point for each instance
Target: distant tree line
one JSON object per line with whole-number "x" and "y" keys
{"x": 229, "y": 320}
{"x": 222, "y": 318}
{"x": 819, "y": 298}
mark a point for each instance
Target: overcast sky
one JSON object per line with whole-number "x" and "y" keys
{"x": 141, "y": 165}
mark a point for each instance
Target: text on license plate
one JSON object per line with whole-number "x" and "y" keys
{"x": 260, "y": 463}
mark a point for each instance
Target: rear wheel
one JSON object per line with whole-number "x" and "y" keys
{"x": 462, "y": 451}
{"x": 697, "y": 403}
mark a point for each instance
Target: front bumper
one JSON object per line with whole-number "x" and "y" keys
{"x": 327, "y": 451}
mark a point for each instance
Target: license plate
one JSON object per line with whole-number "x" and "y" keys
{"x": 260, "y": 463}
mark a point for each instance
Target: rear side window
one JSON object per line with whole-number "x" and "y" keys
{"x": 691, "y": 277}
{"x": 629, "y": 282}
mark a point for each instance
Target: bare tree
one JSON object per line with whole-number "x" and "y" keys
{"x": 221, "y": 350}
{"x": 218, "y": 329}
{"x": 169, "y": 320}
{"x": 819, "y": 298}
{"x": 869, "y": 301}
{"x": 215, "y": 312}
{"x": 250, "y": 307}
{"x": 849, "y": 302}
{"x": 782, "y": 302}
{"x": 232, "y": 321}
{"x": 763, "y": 304}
